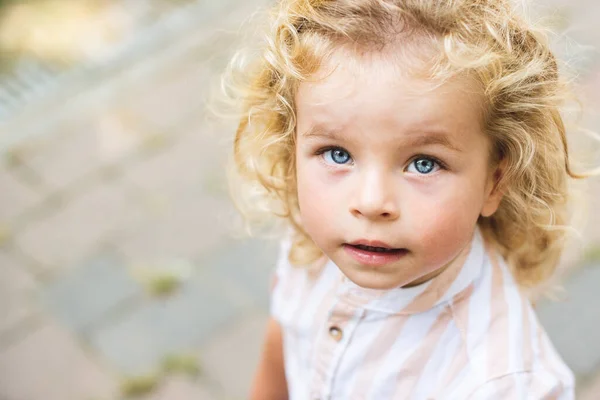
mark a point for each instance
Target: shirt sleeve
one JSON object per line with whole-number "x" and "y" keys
{"x": 279, "y": 278}
{"x": 528, "y": 385}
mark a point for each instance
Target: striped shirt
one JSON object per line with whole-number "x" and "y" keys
{"x": 466, "y": 334}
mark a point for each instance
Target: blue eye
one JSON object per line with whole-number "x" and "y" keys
{"x": 423, "y": 165}
{"x": 336, "y": 156}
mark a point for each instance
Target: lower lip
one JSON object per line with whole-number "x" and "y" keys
{"x": 372, "y": 258}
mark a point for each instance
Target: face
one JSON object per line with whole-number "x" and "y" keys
{"x": 393, "y": 172}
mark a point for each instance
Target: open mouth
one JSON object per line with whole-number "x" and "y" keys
{"x": 375, "y": 249}
{"x": 374, "y": 256}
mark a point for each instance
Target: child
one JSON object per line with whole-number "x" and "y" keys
{"x": 416, "y": 149}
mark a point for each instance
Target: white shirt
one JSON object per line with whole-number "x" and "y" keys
{"x": 466, "y": 334}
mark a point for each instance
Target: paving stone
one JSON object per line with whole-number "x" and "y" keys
{"x": 84, "y": 295}
{"x": 591, "y": 390}
{"x": 49, "y": 364}
{"x": 181, "y": 388}
{"x": 232, "y": 356}
{"x": 180, "y": 169}
{"x": 247, "y": 264}
{"x": 70, "y": 233}
{"x": 189, "y": 81}
{"x": 81, "y": 146}
{"x": 17, "y": 289}
{"x": 17, "y": 196}
{"x": 574, "y": 324}
{"x": 186, "y": 82}
{"x": 178, "y": 324}
{"x": 179, "y": 228}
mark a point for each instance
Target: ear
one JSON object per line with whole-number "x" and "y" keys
{"x": 493, "y": 191}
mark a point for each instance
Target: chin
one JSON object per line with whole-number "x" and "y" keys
{"x": 381, "y": 282}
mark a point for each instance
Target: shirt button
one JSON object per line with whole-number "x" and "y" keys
{"x": 335, "y": 333}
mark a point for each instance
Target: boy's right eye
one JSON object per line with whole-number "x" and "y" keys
{"x": 336, "y": 155}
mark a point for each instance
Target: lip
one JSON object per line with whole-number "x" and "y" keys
{"x": 372, "y": 243}
{"x": 371, "y": 258}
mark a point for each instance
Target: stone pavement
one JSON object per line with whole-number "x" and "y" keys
{"x": 120, "y": 271}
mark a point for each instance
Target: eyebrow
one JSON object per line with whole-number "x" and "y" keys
{"x": 432, "y": 138}
{"x": 318, "y": 131}
{"x": 427, "y": 138}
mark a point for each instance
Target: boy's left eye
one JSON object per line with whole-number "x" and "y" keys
{"x": 423, "y": 165}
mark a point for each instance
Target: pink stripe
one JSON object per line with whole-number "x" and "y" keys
{"x": 527, "y": 351}
{"x": 435, "y": 291}
{"x": 460, "y": 361}
{"x": 408, "y": 374}
{"x": 498, "y": 337}
{"x": 393, "y": 327}
{"x": 307, "y": 287}
{"x": 388, "y": 334}
{"x": 323, "y": 309}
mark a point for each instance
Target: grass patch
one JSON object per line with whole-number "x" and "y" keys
{"x": 137, "y": 386}
{"x": 4, "y": 234}
{"x": 162, "y": 277}
{"x": 14, "y": 158}
{"x": 162, "y": 284}
{"x": 181, "y": 364}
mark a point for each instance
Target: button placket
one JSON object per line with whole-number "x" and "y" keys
{"x": 330, "y": 349}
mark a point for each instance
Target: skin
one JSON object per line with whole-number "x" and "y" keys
{"x": 363, "y": 127}
{"x": 269, "y": 381}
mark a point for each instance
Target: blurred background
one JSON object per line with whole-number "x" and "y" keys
{"x": 123, "y": 273}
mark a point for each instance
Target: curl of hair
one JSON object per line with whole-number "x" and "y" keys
{"x": 486, "y": 39}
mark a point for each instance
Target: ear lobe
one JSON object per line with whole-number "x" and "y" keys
{"x": 495, "y": 192}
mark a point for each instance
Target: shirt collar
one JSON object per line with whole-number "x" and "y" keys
{"x": 441, "y": 289}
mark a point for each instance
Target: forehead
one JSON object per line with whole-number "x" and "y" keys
{"x": 380, "y": 91}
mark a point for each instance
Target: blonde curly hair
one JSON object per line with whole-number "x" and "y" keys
{"x": 487, "y": 39}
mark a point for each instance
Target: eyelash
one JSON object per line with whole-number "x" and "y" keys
{"x": 436, "y": 160}
{"x": 432, "y": 158}
{"x": 324, "y": 150}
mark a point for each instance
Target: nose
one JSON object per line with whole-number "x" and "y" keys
{"x": 375, "y": 198}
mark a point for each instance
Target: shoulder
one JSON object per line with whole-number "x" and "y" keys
{"x": 282, "y": 281}
{"x": 507, "y": 347}
{"x": 292, "y": 285}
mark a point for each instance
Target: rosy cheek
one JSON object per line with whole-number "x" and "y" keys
{"x": 319, "y": 202}
{"x": 312, "y": 192}
{"x": 445, "y": 221}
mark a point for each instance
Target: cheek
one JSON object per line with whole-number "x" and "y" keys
{"x": 445, "y": 222}
{"x": 315, "y": 197}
